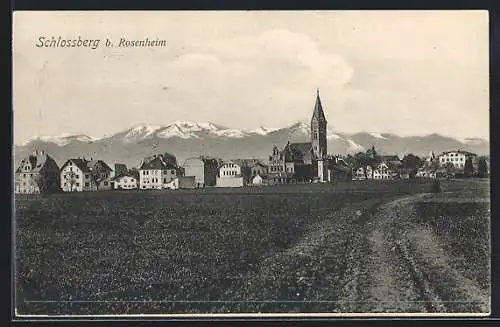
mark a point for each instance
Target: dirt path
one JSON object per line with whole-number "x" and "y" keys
{"x": 405, "y": 269}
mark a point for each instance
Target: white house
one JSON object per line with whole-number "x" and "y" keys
{"x": 382, "y": 172}
{"x": 259, "y": 179}
{"x": 156, "y": 174}
{"x": 79, "y": 175}
{"x": 229, "y": 175}
{"x": 457, "y": 158}
{"x": 124, "y": 182}
{"x": 362, "y": 173}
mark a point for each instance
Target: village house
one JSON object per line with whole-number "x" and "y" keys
{"x": 458, "y": 159}
{"x": 80, "y": 174}
{"x": 362, "y": 173}
{"x": 229, "y": 175}
{"x": 37, "y": 173}
{"x": 250, "y": 168}
{"x": 156, "y": 174}
{"x": 203, "y": 169}
{"x": 382, "y": 171}
{"x": 124, "y": 181}
{"x": 258, "y": 180}
{"x": 303, "y": 161}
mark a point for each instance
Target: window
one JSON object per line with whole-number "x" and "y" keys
{"x": 77, "y": 176}
{"x": 24, "y": 175}
{"x": 77, "y": 184}
{"x": 86, "y": 175}
{"x": 173, "y": 171}
{"x": 105, "y": 183}
{"x": 164, "y": 180}
{"x": 86, "y": 184}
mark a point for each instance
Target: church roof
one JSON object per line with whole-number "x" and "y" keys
{"x": 318, "y": 109}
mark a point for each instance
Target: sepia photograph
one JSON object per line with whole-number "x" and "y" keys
{"x": 251, "y": 163}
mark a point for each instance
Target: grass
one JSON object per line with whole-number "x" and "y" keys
{"x": 183, "y": 247}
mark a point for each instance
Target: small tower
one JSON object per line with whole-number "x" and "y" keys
{"x": 318, "y": 130}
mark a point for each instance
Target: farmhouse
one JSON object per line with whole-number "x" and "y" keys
{"x": 156, "y": 174}
{"x": 38, "y": 173}
{"x": 203, "y": 169}
{"x": 80, "y": 174}
{"x": 124, "y": 181}
{"x": 229, "y": 175}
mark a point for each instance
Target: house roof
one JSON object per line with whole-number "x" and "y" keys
{"x": 100, "y": 163}
{"x": 37, "y": 161}
{"x": 467, "y": 153}
{"x": 123, "y": 175}
{"x": 79, "y": 163}
{"x": 390, "y": 158}
{"x": 156, "y": 164}
{"x": 249, "y": 162}
{"x": 87, "y": 165}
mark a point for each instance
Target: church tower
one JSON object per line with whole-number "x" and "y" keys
{"x": 318, "y": 130}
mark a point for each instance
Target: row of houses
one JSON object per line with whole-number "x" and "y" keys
{"x": 40, "y": 173}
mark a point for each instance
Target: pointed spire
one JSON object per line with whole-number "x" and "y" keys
{"x": 318, "y": 108}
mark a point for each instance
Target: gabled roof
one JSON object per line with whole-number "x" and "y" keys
{"x": 123, "y": 175}
{"x": 99, "y": 163}
{"x": 156, "y": 164}
{"x": 36, "y": 161}
{"x": 79, "y": 163}
{"x": 318, "y": 109}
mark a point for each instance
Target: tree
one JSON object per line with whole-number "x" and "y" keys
{"x": 482, "y": 167}
{"x": 411, "y": 163}
{"x": 170, "y": 159}
{"x": 468, "y": 168}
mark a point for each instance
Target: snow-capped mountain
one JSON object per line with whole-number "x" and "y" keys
{"x": 62, "y": 139}
{"x": 185, "y": 139}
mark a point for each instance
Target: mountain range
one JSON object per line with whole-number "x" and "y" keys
{"x": 185, "y": 139}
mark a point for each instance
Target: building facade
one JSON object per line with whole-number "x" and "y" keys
{"x": 457, "y": 158}
{"x": 37, "y": 173}
{"x": 124, "y": 181}
{"x": 229, "y": 175}
{"x": 204, "y": 170}
{"x": 80, "y": 174}
{"x": 156, "y": 174}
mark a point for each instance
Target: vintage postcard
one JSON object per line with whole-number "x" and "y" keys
{"x": 251, "y": 163}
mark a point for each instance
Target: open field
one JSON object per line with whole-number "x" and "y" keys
{"x": 292, "y": 248}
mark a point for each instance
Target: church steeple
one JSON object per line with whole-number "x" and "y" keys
{"x": 318, "y": 108}
{"x": 318, "y": 129}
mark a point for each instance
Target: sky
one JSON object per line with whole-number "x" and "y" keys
{"x": 402, "y": 72}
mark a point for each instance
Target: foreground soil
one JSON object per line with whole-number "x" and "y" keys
{"x": 356, "y": 248}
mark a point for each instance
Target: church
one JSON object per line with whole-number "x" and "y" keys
{"x": 303, "y": 162}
